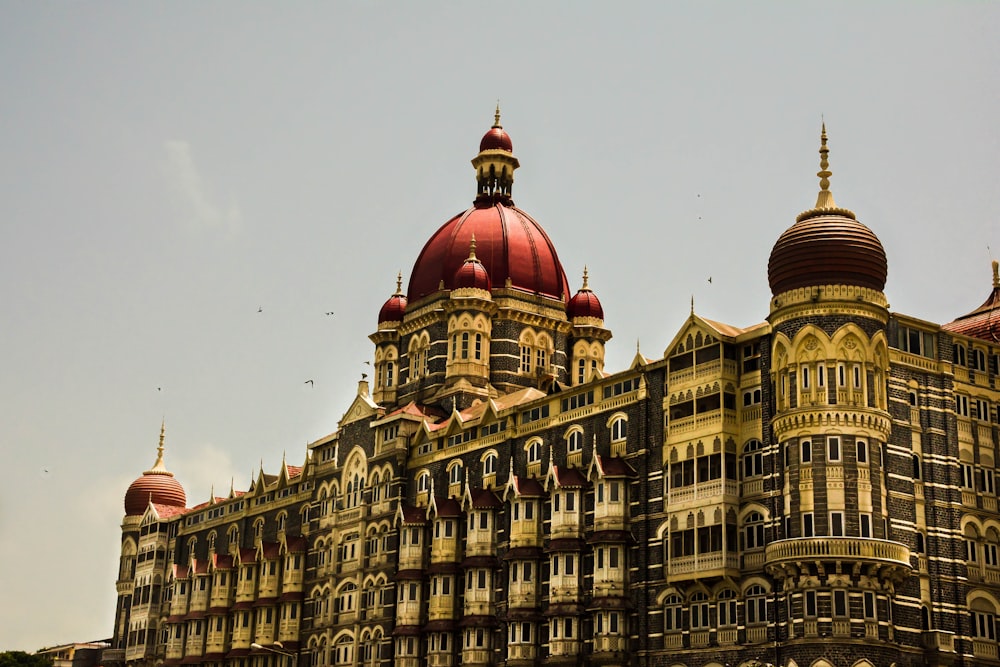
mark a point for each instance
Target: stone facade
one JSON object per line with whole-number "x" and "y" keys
{"x": 816, "y": 490}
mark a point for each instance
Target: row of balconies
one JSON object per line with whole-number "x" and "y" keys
{"x": 754, "y": 634}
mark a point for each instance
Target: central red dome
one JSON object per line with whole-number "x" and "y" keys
{"x": 509, "y": 244}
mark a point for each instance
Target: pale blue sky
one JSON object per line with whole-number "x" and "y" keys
{"x": 168, "y": 168}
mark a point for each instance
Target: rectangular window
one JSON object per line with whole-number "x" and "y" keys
{"x": 805, "y": 377}
{"x": 862, "y": 451}
{"x": 807, "y": 524}
{"x": 837, "y": 524}
{"x": 570, "y": 563}
{"x": 810, "y": 604}
{"x": 555, "y": 566}
{"x": 840, "y": 603}
{"x": 866, "y": 525}
{"x": 833, "y": 447}
{"x": 807, "y": 452}
{"x": 869, "y": 605}
{"x": 968, "y": 476}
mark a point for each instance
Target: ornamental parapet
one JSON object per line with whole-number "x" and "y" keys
{"x": 889, "y": 560}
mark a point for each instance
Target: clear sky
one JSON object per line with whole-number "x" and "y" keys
{"x": 186, "y": 189}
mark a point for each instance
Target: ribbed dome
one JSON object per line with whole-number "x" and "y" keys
{"x": 826, "y": 246}
{"x": 472, "y": 274}
{"x": 156, "y": 485}
{"x": 585, "y": 303}
{"x": 496, "y": 139}
{"x": 827, "y": 249}
{"x": 512, "y": 248}
{"x": 510, "y": 245}
{"x": 394, "y": 308}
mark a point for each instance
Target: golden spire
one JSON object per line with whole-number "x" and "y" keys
{"x": 825, "y": 197}
{"x": 159, "y": 467}
{"x": 496, "y": 116}
{"x": 996, "y": 274}
{"x": 586, "y": 281}
{"x": 399, "y": 283}
{"x": 472, "y": 249}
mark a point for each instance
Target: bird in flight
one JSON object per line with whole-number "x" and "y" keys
{"x": 710, "y": 279}
{"x": 309, "y": 382}
{"x": 260, "y": 309}
{"x": 330, "y": 313}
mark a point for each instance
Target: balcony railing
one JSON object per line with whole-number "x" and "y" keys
{"x": 838, "y": 548}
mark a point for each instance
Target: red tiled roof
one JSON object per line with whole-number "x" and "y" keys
{"x": 448, "y": 507}
{"x": 442, "y": 568}
{"x": 413, "y": 515}
{"x": 440, "y": 625}
{"x": 612, "y": 466}
{"x": 409, "y": 575}
{"x": 982, "y": 323}
{"x": 222, "y": 561}
{"x": 474, "y": 621}
{"x": 484, "y": 499}
{"x": 566, "y": 544}
{"x": 565, "y": 609}
{"x": 523, "y": 553}
{"x": 480, "y": 561}
{"x": 527, "y": 486}
{"x": 406, "y": 630}
{"x": 297, "y": 544}
{"x": 271, "y": 550}
{"x": 610, "y": 536}
{"x": 569, "y": 477}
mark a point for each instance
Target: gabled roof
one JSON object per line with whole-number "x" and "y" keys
{"x": 443, "y": 507}
{"x": 610, "y": 466}
{"x": 481, "y": 499}
{"x": 719, "y": 329}
{"x": 523, "y": 486}
{"x": 410, "y": 516}
{"x": 562, "y": 477}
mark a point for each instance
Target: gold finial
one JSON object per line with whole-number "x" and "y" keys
{"x": 996, "y": 274}
{"x": 472, "y": 248}
{"x": 159, "y": 466}
{"x": 496, "y": 116}
{"x": 692, "y": 304}
{"x": 825, "y": 197}
{"x": 586, "y": 281}
{"x": 399, "y": 283}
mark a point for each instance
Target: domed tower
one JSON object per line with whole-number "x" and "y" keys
{"x": 828, "y": 362}
{"x": 514, "y": 280}
{"x": 589, "y": 335}
{"x": 470, "y": 310}
{"x": 138, "y": 581}
{"x": 386, "y": 339}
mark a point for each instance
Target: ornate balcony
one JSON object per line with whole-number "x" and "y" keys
{"x": 889, "y": 560}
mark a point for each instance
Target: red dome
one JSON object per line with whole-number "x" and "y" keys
{"x": 393, "y": 309}
{"x": 585, "y": 304}
{"x": 472, "y": 274}
{"x": 510, "y": 245}
{"x": 496, "y": 139}
{"x": 827, "y": 247}
{"x": 158, "y": 486}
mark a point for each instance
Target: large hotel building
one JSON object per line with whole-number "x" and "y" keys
{"x": 818, "y": 490}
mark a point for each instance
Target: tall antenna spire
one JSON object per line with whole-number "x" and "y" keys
{"x": 825, "y": 197}
{"x": 496, "y": 116}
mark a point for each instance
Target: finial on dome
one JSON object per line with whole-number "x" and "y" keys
{"x": 496, "y": 116}
{"x": 472, "y": 248}
{"x": 996, "y": 274}
{"x": 586, "y": 281}
{"x": 159, "y": 465}
{"x": 825, "y": 197}
{"x": 399, "y": 284}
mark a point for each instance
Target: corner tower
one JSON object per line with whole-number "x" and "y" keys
{"x": 828, "y": 362}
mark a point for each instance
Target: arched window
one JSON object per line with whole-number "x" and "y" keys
{"x": 753, "y": 531}
{"x": 490, "y": 464}
{"x": 479, "y": 346}
{"x": 455, "y": 474}
{"x": 423, "y": 481}
{"x": 672, "y": 621}
{"x": 574, "y": 441}
{"x": 699, "y": 611}
{"x": 534, "y": 451}
{"x": 753, "y": 460}
{"x": 756, "y": 605}
{"x": 344, "y": 651}
{"x": 619, "y": 429}
{"x": 726, "y": 608}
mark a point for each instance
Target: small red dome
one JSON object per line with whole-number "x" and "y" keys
{"x": 394, "y": 308}
{"x": 472, "y": 274}
{"x": 496, "y": 139}
{"x": 510, "y": 245}
{"x": 827, "y": 248}
{"x": 585, "y": 304}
